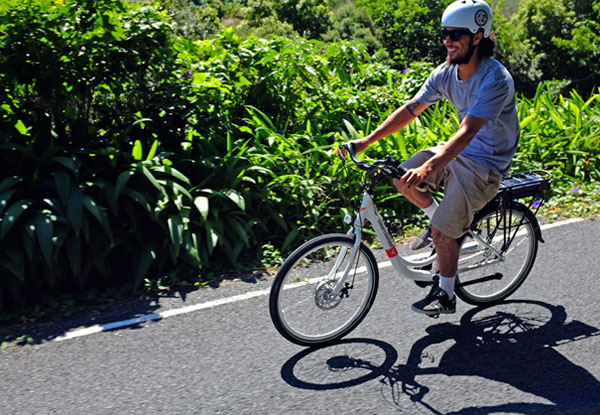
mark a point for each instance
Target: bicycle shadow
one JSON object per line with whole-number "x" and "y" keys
{"x": 512, "y": 343}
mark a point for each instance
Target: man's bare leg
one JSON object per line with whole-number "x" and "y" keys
{"x": 442, "y": 300}
{"x": 427, "y": 204}
{"x": 420, "y": 199}
{"x": 447, "y": 252}
{"x": 446, "y": 247}
{"x": 447, "y": 256}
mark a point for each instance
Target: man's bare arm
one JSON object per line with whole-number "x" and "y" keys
{"x": 395, "y": 122}
{"x": 411, "y": 107}
{"x": 466, "y": 132}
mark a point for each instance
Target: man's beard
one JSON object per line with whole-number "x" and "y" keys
{"x": 460, "y": 60}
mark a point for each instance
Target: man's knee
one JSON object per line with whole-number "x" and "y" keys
{"x": 410, "y": 191}
{"x": 440, "y": 238}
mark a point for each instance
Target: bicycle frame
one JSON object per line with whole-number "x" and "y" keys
{"x": 368, "y": 213}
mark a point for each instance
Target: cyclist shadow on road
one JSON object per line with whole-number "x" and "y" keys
{"x": 512, "y": 343}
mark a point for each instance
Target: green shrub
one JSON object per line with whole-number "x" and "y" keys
{"x": 80, "y": 207}
{"x": 560, "y": 134}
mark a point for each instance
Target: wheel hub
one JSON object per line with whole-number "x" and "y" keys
{"x": 323, "y": 295}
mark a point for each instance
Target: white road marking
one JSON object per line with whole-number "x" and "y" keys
{"x": 98, "y": 328}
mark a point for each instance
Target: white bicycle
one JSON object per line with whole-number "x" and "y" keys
{"x": 326, "y": 287}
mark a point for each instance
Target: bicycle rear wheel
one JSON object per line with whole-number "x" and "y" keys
{"x": 302, "y": 309}
{"x": 494, "y": 278}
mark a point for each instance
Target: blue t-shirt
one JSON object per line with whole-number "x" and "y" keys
{"x": 489, "y": 94}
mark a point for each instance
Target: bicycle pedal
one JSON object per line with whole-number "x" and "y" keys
{"x": 433, "y": 315}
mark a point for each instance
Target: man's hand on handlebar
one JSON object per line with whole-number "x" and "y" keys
{"x": 359, "y": 145}
{"x": 389, "y": 166}
{"x": 414, "y": 177}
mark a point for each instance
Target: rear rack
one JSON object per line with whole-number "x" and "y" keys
{"x": 531, "y": 183}
{"x": 533, "y": 186}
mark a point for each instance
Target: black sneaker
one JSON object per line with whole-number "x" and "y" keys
{"x": 423, "y": 240}
{"x": 435, "y": 303}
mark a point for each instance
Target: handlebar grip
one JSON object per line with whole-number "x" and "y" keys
{"x": 396, "y": 172}
{"x": 361, "y": 164}
{"x": 402, "y": 171}
{"x": 350, "y": 147}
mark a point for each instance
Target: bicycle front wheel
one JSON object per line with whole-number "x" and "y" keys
{"x": 496, "y": 270}
{"x": 301, "y": 305}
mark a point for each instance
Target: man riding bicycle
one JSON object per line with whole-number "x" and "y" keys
{"x": 470, "y": 164}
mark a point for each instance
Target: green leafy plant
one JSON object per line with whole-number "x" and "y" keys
{"x": 80, "y": 209}
{"x": 152, "y": 159}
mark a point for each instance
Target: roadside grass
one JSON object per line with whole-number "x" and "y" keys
{"x": 582, "y": 200}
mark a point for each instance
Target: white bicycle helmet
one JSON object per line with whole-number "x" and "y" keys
{"x": 469, "y": 14}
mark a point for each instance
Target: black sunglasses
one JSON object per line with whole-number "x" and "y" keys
{"x": 454, "y": 34}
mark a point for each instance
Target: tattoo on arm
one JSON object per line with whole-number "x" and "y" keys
{"x": 411, "y": 107}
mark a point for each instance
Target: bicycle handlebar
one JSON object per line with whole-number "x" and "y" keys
{"x": 390, "y": 166}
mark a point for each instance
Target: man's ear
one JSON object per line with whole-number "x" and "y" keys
{"x": 477, "y": 38}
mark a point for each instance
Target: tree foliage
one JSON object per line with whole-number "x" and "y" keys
{"x": 354, "y": 23}
{"x": 309, "y": 18}
{"x": 410, "y": 28}
{"x": 552, "y": 40}
{"x": 194, "y": 21}
{"x": 538, "y": 41}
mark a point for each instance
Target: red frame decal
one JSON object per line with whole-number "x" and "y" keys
{"x": 392, "y": 252}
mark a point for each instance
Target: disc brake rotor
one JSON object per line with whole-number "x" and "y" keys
{"x": 323, "y": 298}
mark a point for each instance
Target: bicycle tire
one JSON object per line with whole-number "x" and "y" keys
{"x": 497, "y": 282}
{"x": 299, "y": 306}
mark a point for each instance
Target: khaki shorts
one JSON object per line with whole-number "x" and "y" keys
{"x": 468, "y": 187}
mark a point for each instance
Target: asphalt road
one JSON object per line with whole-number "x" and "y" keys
{"x": 539, "y": 353}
